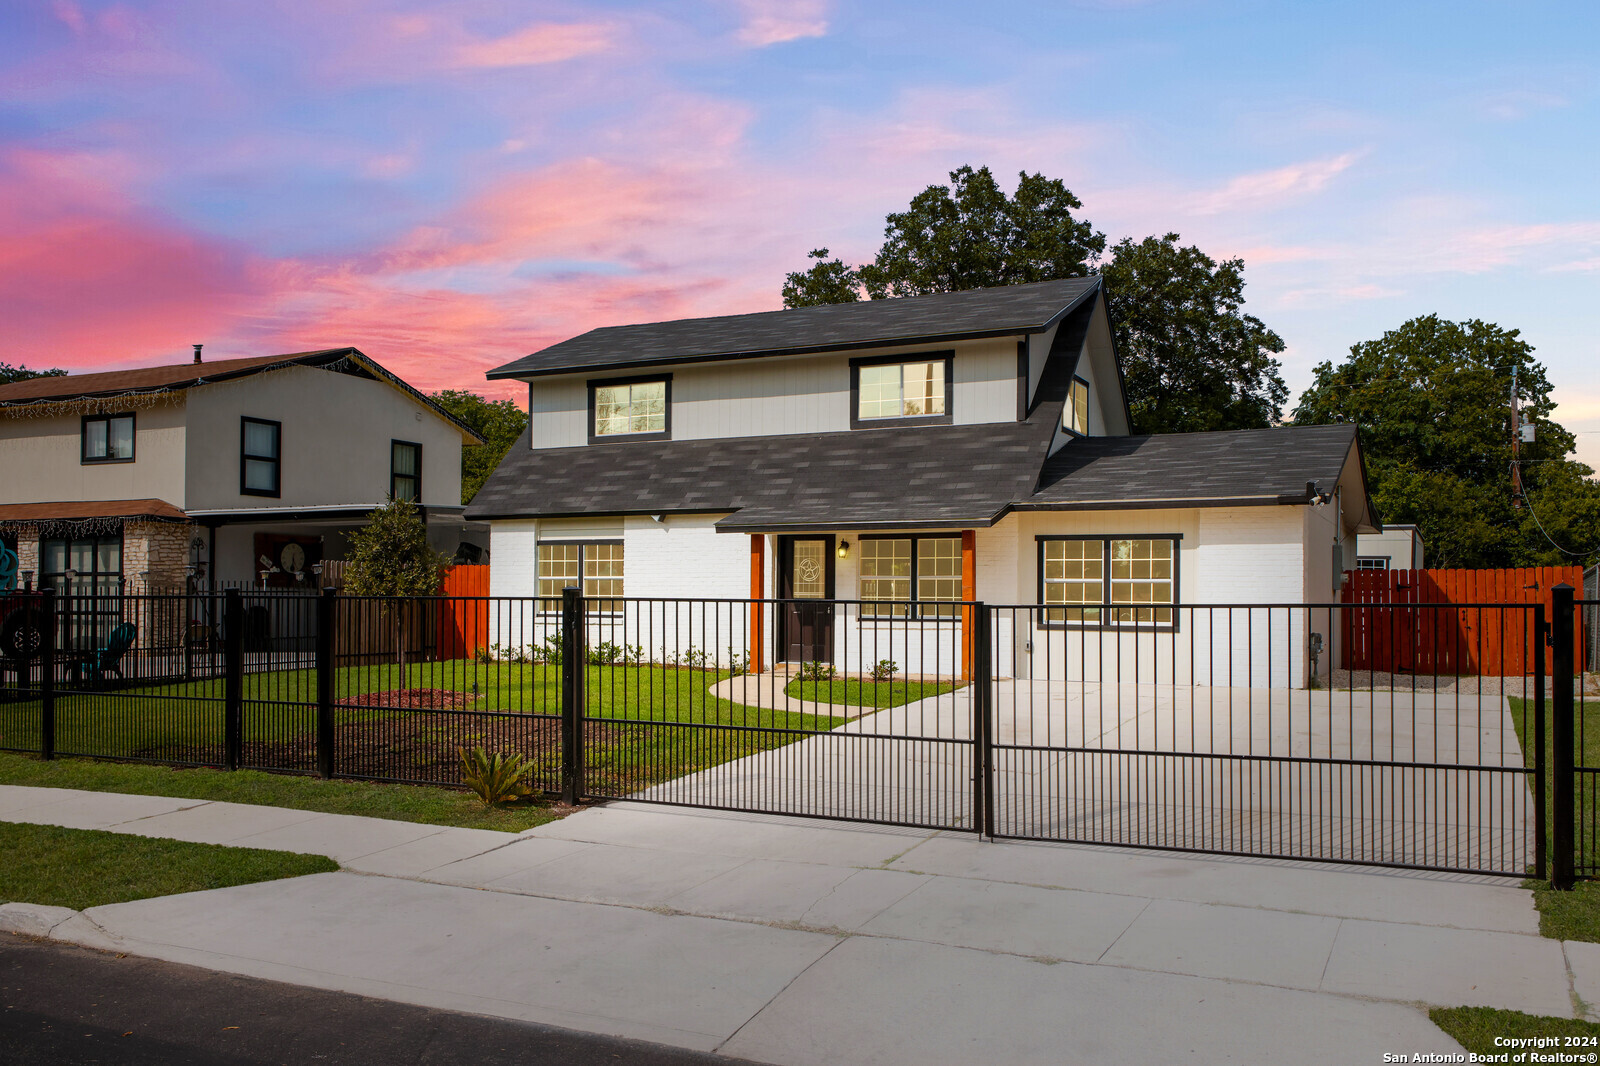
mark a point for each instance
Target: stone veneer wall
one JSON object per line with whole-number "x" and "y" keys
{"x": 156, "y": 552}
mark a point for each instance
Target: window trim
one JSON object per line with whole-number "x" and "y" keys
{"x": 1386, "y": 560}
{"x": 869, "y": 607}
{"x": 1088, "y": 408}
{"x": 581, "y": 542}
{"x": 1105, "y": 622}
{"x": 417, "y": 477}
{"x": 628, "y": 438}
{"x": 244, "y": 456}
{"x": 949, "y": 357}
{"x": 84, "y": 459}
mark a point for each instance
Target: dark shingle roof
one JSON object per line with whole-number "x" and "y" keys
{"x": 909, "y": 319}
{"x": 931, "y": 475}
{"x": 150, "y": 378}
{"x": 1182, "y": 469}
{"x": 178, "y": 376}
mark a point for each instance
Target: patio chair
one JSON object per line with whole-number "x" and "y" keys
{"x": 108, "y": 660}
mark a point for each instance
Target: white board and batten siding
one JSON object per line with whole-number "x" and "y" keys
{"x": 777, "y": 395}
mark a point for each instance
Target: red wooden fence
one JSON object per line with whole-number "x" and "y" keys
{"x": 1481, "y": 633}
{"x": 463, "y": 624}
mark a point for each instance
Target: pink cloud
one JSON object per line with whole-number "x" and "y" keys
{"x": 537, "y": 43}
{"x": 87, "y": 280}
{"x": 769, "y": 22}
{"x": 1269, "y": 188}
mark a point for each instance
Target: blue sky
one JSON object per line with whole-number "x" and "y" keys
{"x": 450, "y": 185}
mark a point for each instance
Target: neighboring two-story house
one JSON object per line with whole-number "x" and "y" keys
{"x": 906, "y": 453}
{"x": 232, "y": 472}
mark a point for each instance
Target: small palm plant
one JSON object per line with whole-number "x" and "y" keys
{"x": 496, "y": 778}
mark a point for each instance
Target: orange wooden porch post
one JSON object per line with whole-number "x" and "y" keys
{"x": 758, "y": 578}
{"x": 969, "y": 592}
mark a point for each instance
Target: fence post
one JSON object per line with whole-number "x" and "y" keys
{"x": 1563, "y": 844}
{"x": 326, "y": 604}
{"x": 981, "y": 678}
{"x": 1541, "y": 633}
{"x": 47, "y": 678}
{"x": 232, "y": 679}
{"x": 573, "y": 690}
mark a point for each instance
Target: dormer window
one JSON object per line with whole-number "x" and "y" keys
{"x": 1075, "y": 418}
{"x": 901, "y": 390}
{"x": 630, "y": 409}
{"x": 107, "y": 438}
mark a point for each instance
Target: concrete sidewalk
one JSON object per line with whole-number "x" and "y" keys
{"x": 791, "y": 941}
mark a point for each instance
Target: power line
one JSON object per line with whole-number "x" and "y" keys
{"x": 1553, "y": 544}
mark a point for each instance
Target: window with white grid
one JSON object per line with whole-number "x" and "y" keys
{"x": 595, "y": 567}
{"x": 1108, "y": 580}
{"x": 901, "y": 390}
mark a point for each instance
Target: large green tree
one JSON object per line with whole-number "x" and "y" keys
{"x": 499, "y": 422}
{"x": 1433, "y": 401}
{"x": 965, "y": 235}
{"x": 9, "y": 373}
{"x": 1192, "y": 358}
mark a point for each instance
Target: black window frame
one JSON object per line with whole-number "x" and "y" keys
{"x": 396, "y": 477}
{"x": 1106, "y": 606}
{"x": 583, "y": 543}
{"x": 628, "y": 438}
{"x": 1088, "y": 408}
{"x": 91, "y": 604}
{"x": 85, "y": 459}
{"x": 913, "y": 610}
{"x": 245, "y": 457}
{"x": 945, "y": 419}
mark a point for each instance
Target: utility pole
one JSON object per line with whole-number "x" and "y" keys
{"x": 1516, "y": 438}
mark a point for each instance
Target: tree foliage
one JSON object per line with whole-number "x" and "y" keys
{"x": 499, "y": 422}
{"x": 965, "y": 235}
{"x": 391, "y": 556}
{"x": 1193, "y": 360}
{"x": 1432, "y": 399}
{"x": 9, "y": 373}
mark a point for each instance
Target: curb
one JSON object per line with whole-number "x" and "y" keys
{"x": 33, "y": 919}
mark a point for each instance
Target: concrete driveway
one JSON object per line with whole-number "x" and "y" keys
{"x": 1437, "y": 779}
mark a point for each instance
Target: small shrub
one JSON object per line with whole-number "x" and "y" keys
{"x": 605, "y": 653}
{"x": 816, "y": 671}
{"x": 633, "y": 654}
{"x": 884, "y": 670}
{"x": 495, "y": 778}
{"x": 485, "y": 655}
{"x": 737, "y": 662}
{"x": 551, "y": 651}
{"x": 691, "y": 657}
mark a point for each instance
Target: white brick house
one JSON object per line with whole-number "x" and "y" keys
{"x": 902, "y": 454}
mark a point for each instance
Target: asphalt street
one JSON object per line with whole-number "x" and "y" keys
{"x": 68, "y": 1006}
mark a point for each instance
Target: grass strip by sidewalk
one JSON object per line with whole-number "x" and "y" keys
{"x": 81, "y": 868}
{"x": 1475, "y": 1028}
{"x": 401, "y": 803}
{"x": 1571, "y": 915}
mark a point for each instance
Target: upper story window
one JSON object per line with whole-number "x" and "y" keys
{"x": 405, "y": 470}
{"x": 898, "y": 390}
{"x": 1075, "y": 418}
{"x": 630, "y": 409}
{"x": 260, "y": 457}
{"x": 108, "y": 438}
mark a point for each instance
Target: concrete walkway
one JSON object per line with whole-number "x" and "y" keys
{"x": 791, "y": 941}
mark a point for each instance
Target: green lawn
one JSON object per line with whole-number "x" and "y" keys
{"x": 81, "y": 868}
{"x": 853, "y": 692}
{"x": 401, "y": 803}
{"x": 1571, "y": 915}
{"x": 1475, "y": 1029}
{"x": 639, "y": 734}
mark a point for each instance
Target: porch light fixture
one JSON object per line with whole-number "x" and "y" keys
{"x": 844, "y": 549}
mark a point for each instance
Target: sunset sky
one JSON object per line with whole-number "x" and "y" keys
{"x": 450, "y": 185}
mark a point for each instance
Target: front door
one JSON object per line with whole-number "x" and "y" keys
{"x": 805, "y": 584}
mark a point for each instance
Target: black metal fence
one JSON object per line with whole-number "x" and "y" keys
{"x": 1232, "y": 729}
